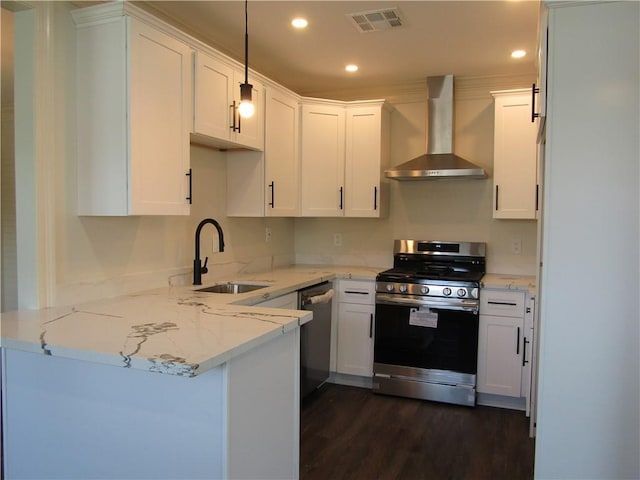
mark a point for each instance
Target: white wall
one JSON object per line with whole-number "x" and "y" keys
{"x": 589, "y": 400}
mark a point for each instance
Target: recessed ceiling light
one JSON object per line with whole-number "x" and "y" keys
{"x": 518, "y": 54}
{"x": 351, "y": 68}
{"x": 299, "y": 22}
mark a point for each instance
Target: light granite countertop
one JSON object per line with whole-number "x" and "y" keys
{"x": 510, "y": 282}
{"x": 177, "y": 330}
{"x": 173, "y": 330}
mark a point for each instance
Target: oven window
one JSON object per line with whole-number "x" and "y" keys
{"x": 430, "y": 339}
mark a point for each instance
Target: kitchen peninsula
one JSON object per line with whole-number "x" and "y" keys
{"x": 225, "y": 405}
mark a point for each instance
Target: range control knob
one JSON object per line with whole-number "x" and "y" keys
{"x": 403, "y": 288}
{"x": 424, "y": 290}
{"x": 462, "y": 292}
{"x": 446, "y": 291}
{"x": 389, "y": 287}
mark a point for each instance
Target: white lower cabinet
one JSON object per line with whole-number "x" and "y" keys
{"x": 356, "y": 310}
{"x": 501, "y": 342}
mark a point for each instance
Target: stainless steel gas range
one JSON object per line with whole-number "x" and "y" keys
{"x": 426, "y": 323}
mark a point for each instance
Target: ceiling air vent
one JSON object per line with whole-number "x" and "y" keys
{"x": 376, "y": 20}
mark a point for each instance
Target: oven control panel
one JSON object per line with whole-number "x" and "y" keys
{"x": 427, "y": 290}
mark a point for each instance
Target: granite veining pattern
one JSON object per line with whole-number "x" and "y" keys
{"x": 173, "y": 330}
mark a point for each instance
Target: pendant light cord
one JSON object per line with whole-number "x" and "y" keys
{"x": 246, "y": 42}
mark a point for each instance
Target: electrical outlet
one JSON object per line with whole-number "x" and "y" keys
{"x": 516, "y": 246}
{"x": 267, "y": 234}
{"x": 337, "y": 239}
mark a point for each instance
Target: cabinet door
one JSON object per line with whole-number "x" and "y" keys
{"x": 216, "y": 121}
{"x": 213, "y": 92}
{"x": 159, "y": 122}
{"x": 514, "y": 157}
{"x": 362, "y": 163}
{"x": 322, "y": 161}
{"x": 355, "y": 339}
{"x": 263, "y": 410}
{"x": 499, "y": 360}
{"x": 282, "y": 165}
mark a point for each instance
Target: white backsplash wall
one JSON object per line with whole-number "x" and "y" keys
{"x": 442, "y": 209}
{"x": 246, "y": 248}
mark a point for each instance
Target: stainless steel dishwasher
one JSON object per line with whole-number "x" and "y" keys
{"x": 315, "y": 337}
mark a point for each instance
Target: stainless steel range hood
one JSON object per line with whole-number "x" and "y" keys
{"x": 439, "y": 162}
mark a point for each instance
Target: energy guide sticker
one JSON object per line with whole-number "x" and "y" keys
{"x": 423, "y": 318}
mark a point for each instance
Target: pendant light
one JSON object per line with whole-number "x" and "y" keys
{"x": 246, "y": 108}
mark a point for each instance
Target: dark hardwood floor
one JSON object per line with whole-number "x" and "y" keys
{"x": 351, "y": 433}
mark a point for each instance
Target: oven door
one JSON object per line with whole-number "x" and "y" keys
{"x": 426, "y": 339}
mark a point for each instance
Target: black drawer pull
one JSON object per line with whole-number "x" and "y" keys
{"x": 353, "y": 292}
{"x": 510, "y": 304}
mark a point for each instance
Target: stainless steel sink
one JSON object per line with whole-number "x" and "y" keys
{"x": 233, "y": 287}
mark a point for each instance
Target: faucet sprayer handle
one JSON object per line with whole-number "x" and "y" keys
{"x": 204, "y": 267}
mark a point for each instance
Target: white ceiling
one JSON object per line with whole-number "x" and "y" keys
{"x": 465, "y": 38}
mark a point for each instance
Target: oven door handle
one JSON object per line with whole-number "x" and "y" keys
{"x": 462, "y": 305}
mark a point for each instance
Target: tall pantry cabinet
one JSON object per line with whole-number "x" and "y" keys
{"x": 588, "y": 420}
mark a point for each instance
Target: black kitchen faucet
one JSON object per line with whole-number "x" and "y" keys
{"x": 199, "y": 269}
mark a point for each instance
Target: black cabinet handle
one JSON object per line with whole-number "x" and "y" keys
{"x": 534, "y": 115}
{"x": 272, "y": 187}
{"x": 341, "y": 192}
{"x": 371, "y": 325}
{"x": 353, "y": 292}
{"x": 518, "y": 343}
{"x": 375, "y": 198}
{"x": 524, "y": 352}
{"x": 188, "y": 174}
{"x": 537, "y": 196}
{"x": 234, "y": 110}
{"x": 496, "y": 198}
{"x": 494, "y": 302}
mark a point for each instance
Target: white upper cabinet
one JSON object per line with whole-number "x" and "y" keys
{"x": 515, "y": 192}
{"x": 267, "y": 183}
{"x": 216, "y": 96}
{"x": 282, "y": 159}
{"x": 134, "y": 114}
{"x": 344, "y": 149}
{"x": 322, "y": 160}
{"x": 539, "y": 94}
{"x": 367, "y": 155}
